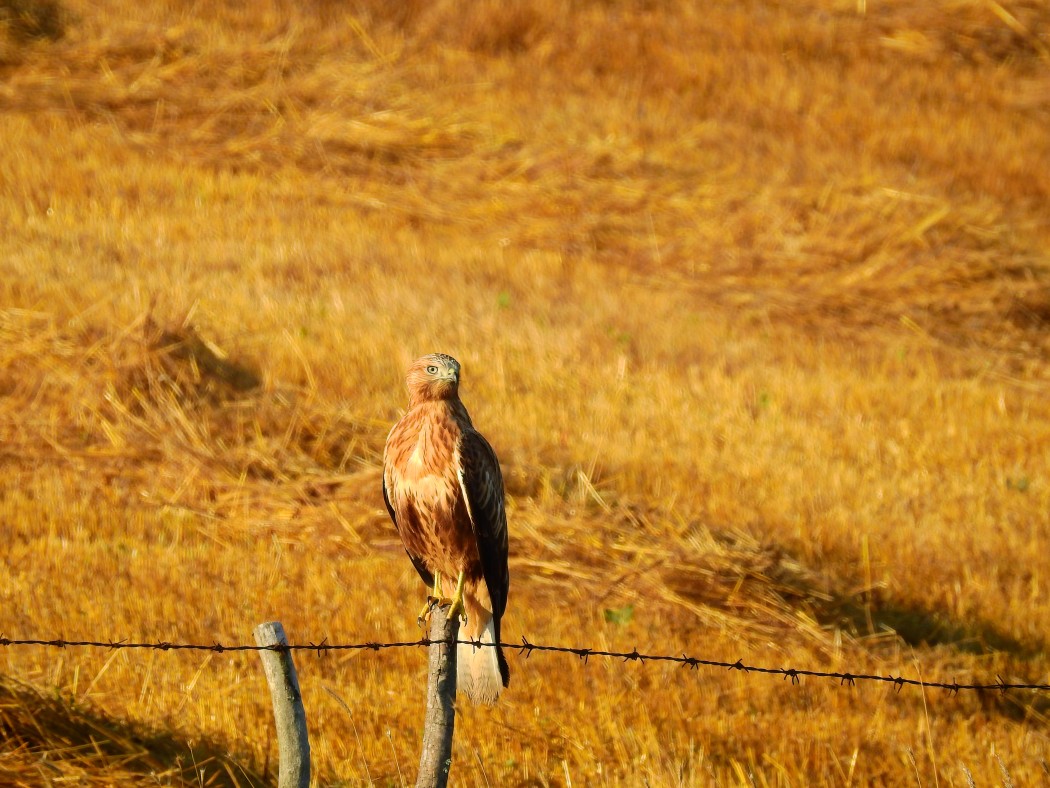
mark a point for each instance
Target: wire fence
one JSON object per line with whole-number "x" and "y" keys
{"x": 527, "y": 648}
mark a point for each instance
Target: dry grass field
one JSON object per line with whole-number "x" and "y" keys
{"x": 752, "y": 299}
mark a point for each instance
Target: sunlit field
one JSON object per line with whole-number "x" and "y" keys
{"x": 752, "y": 300}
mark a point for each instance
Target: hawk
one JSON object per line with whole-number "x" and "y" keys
{"x": 444, "y": 491}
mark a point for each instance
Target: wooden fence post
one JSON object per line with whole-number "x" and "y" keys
{"x": 292, "y": 740}
{"x": 435, "y": 761}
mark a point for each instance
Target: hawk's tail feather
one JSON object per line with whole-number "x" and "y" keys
{"x": 482, "y": 671}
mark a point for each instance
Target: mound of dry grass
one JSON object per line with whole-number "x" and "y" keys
{"x": 49, "y": 741}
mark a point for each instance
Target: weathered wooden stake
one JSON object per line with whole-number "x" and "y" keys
{"x": 292, "y": 740}
{"x": 435, "y": 761}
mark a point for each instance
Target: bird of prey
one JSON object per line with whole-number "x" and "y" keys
{"x": 444, "y": 491}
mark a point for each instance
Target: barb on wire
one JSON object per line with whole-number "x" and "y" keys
{"x": 526, "y": 648}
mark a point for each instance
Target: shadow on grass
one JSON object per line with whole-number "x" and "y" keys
{"x": 753, "y": 579}
{"x": 47, "y": 739}
{"x": 26, "y": 20}
{"x": 926, "y": 629}
{"x": 921, "y": 628}
{"x": 753, "y": 582}
{"x": 756, "y": 579}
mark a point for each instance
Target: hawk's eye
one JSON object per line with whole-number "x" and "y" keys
{"x": 432, "y": 370}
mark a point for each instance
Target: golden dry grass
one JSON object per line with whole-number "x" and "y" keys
{"x": 752, "y": 299}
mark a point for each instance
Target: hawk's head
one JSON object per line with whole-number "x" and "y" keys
{"x": 434, "y": 376}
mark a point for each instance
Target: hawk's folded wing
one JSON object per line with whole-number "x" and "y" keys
{"x": 482, "y": 483}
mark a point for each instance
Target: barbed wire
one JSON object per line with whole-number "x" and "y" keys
{"x": 527, "y": 648}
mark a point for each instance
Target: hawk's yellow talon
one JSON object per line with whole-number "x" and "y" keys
{"x": 424, "y": 614}
{"x": 433, "y": 598}
{"x": 456, "y": 603}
